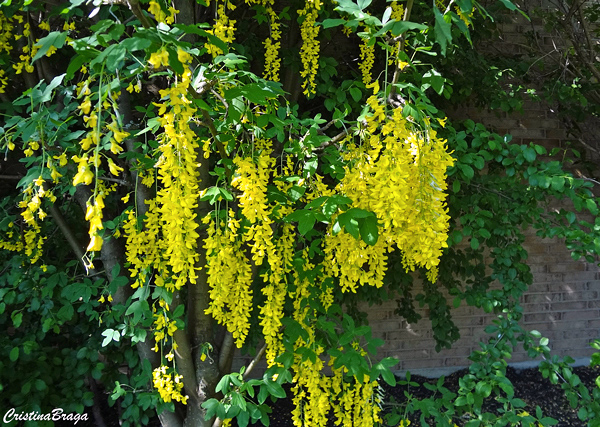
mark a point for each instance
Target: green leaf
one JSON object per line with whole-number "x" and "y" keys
{"x": 136, "y": 43}
{"x": 369, "y": 230}
{"x": 467, "y": 170}
{"x": 355, "y": 93}
{"x": 242, "y": 419}
{"x": 14, "y": 354}
{"x": 529, "y": 154}
{"x": 55, "y": 38}
{"x": 17, "y": 318}
{"x": 256, "y": 92}
{"x": 47, "y": 93}
{"x": 509, "y": 4}
{"x": 329, "y": 23}
{"x": 211, "y": 406}
{"x": 590, "y": 204}
{"x": 474, "y": 243}
{"x": 443, "y": 30}
{"x": 400, "y": 27}
{"x": 275, "y": 389}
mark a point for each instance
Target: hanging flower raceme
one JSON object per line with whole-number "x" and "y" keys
{"x": 229, "y": 277}
{"x": 367, "y": 59}
{"x": 177, "y": 170}
{"x": 398, "y": 174}
{"x": 224, "y": 28}
{"x": 309, "y": 53}
{"x": 272, "y": 45}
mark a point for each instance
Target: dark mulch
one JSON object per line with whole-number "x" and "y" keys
{"x": 529, "y": 386}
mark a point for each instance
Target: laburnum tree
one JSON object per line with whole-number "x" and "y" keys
{"x": 196, "y": 177}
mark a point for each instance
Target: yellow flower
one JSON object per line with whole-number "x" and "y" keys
{"x": 44, "y": 25}
{"x": 95, "y": 243}
{"x": 159, "y": 58}
{"x": 86, "y": 105}
{"x": 114, "y": 169}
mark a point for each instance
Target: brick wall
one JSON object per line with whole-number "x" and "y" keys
{"x": 563, "y": 303}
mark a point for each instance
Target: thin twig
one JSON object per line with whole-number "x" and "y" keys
{"x": 255, "y": 361}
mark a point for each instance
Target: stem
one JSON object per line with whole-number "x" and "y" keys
{"x": 134, "y": 6}
{"x": 68, "y": 233}
{"x": 398, "y": 70}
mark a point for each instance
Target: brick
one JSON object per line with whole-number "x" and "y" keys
{"x": 565, "y": 267}
{"x": 593, "y": 304}
{"x": 537, "y": 308}
{"x": 421, "y": 364}
{"x": 569, "y": 305}
{"x": 541, "y": 317}
{"x": 455, "y": 352}
{"x": 593, "y": 324}
{"x": 457, "y": 361}
{"x": 531, "y": 298}
{"x": 417, "y": 345}
{"x": 575, "y": 287}
{"x": 581, "y": 333}
{"x": 538, "y": 287}
{"x": 549, "y": 327}
{"x": 528, "y": 133}
{"x": 393, "y": 345}
{"x": 580, "y": 315}
{"x": 556, "y": 133}
{"x": 570, "y": 344}
{"x": 579, "y": 296}
{"x": 550, "y": 277}
{"x": 468, "y": 321}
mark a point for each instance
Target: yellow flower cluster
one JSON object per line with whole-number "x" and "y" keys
{"x": 367, "y": 58}
{"x": 398, "y": 174}
{"x": 251, "y": 180}
{"x": 88, "y": 164}
{"x": 466, "y": 18}
{"x": 155, "y": 9}
{"x": 272, "y": 45}
{"x": 32, "y": 212}
{"x": 13, "y": 242}
{"x": 224, "y": 28}
{"x": 177, "y": 169}
{"x": 6, "y": 31}
{"x": 93, "y": 214}
{"x": 312, "y": 389}
{"x": 142, "y": 246}
{"x": 353, "y": 401}
{"x": 169, "y": 385}
{"x": 309, "y": 53}
{"x": 163, "y": 326}
{"x": 397, "y": 15}
{"x": 229, "y": 277}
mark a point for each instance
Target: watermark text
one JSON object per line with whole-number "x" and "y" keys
{"x": 57, "y": 414}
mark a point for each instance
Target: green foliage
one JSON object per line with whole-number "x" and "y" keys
{"x": 57, "y": 315}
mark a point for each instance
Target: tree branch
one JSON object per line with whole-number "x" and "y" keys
{"x": 68, "y": 233}
{"x": 226, "y": 351}
{"x": 134, "y": 6}
{"x": 255, "y": 361}
{"x": 398, "y": 70}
